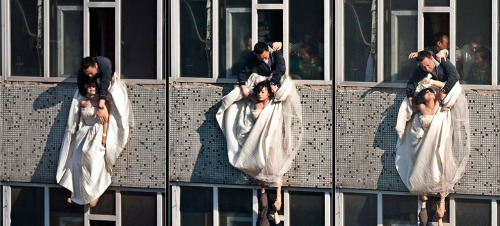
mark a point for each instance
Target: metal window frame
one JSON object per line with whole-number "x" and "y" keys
{"x": 175, "y": 205}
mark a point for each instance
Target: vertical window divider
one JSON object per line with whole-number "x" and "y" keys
{"x": 4, "y": 24}
{"x": 339, "y": 42}
{"x": 46, "y": 203}
{"x": 86, "y": 29}
{"x": 6, "y": 204}
{"x": 175, "y": 206}
{"x": 215, "y": 40}
{"x": 380, "y": 216}
{"x": 339, "y": 207}
{"x": 175, "y": 39}
{"x": 255, "y": 23}
{"x": 7, "y": 50}
{"x": 86, "y": 215}
{"x": 46, "y": 39}
{"x": 327, "y": 209}
{"x": 494, "y": 216}
{"x": 326, "y": 45}
{"x": 215, "y": 205}
{"x": 286, "y": 34}
{"x": 118, "y": 207}
{"x": 159, "y": 209}
{"x": 494, "y": 43}
{"x": 452, "y": 211}
{"x": 286, "y": 212}
{"x": 380, "y": 41}
{"x": 255, "y": 206}
{"x": 118, "y": 38}
{"x": 453, "y": 31}
{"x": 159, "y": 37}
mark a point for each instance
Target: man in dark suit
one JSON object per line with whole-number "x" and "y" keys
{"x": 266, "y": 62}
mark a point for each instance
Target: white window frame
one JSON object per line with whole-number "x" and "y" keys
{"x": 339, "y": 204}
{"x": 87, "y": 216}
{"x": 6, "y": 43}
{"x": 176, "y": 197}
{"x": 175, "y": 42}
{"x": 339, "y": 43}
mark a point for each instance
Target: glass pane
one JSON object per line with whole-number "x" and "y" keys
{"x": 102, "y": 34}
{"x": 196, "y": 206}
{"x": 27, "y": 206}
{"x": 399, "y": 41}
{"x": 138, "y": 51}
{"x": 66, "y": 37}
{"x": 106, "y": 204}
{"x": 360, "y": 209}
{"x": 399, "y": 209}
{"x": 473, "y": 212}
{"x": 61, "y": 212}
{"x": 196, "y": 53}
{"x": 359, "y": 53}
{"x": 307, "y": 39}
{"x": 434, "y": 24}
{"x": 138, "y": 208}
{"x": 232, "y": 212}
{"x": 26, "y": 38}
{"x": 307, "y": 208}
{"x": 235, "y": 39}
{"x": 473, "y": 54}
{"x": 102, "y": 223}
{"x": 270, "y": 24}
{"x": 270, "y": 2}
{"x": 437, "y": 3}
{"x": 431, "y": 206}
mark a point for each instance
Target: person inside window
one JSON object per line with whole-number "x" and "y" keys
{"x": 480, "y": 71}
{"x": 308, "y": 66}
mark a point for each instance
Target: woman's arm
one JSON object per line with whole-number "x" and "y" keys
{"x": 105, "y": 128}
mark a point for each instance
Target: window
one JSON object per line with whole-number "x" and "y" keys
{"x": 235, "y": 207}
{"x": 138, "y": 36}
{"x": 307, "y": 208}
{"x": 195, "y": 39}
{"x": 196, "y": 206}
{"x": 138, "y": 208}
{"x": 359, "y": 42}
{"x": 307, "y": 40}
{"x": 106, "y": 204}
{"x": 360, "y": 209}
{"x": 61, "y": 212}
{"x": 473, "y": 212}
{"x": 26, "y": 39}
{"x": 102, "y": 34}
{"x": 399, "y": 209}
{"x": 27, "y": 206}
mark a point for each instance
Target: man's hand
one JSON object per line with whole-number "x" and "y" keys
{"x": 273, "y": 88}
{"x": 102, "y": 114}
{"x": 441, "y": 55}
{"x": 277, "y": 46}
{"x": 244, "y": 92}
{"x": 413, "y": 55}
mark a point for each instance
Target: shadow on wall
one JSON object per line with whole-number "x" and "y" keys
{"x": 212, "y": 163}
{"x": 61, "y": 94}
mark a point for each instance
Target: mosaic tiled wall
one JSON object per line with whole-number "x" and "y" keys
{"x": 33, "y": 122}
{"x": 197, "y": 147}
{"x": 365, "y": 143}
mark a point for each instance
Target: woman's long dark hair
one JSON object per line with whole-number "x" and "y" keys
{"x": 261, "y": 86}
{"x": 420, "y": 97}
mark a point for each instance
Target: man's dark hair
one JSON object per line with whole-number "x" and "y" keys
{"x": 484, "y": 53}
{"x": 478, "y": 39}
{"x": 87, "y": 62}
{"x": 438, "y": 37}
{"x": 261, "y": 85}
{"x": 310, "y": 49}
{"x": 247, "y": 36}
{"x": 423, "y": 54}
{"x": 260, "y": 47}
{"x": 420, "y": 97}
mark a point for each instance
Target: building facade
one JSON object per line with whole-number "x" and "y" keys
{"x": 42, "y": 45}
{"x": 208, "y": 42}
{"x": 373, "y": 40}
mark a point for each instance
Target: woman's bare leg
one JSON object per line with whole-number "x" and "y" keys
{"x": 93, "y": 203}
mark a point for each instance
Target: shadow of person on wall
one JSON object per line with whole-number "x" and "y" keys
{"x": 212, "y": 163}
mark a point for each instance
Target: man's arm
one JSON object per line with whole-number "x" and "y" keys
{"x": 452, "y": 75}
{"x": 105, "y": 67}
{"x": 280, "y": 68}
{"x": 246, "y": 69}
{"x": 412, "y": 84}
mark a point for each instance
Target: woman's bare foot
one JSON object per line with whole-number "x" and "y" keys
{"x": 423, "y": 197}
{"x": 93, "y": 203}
{"x": 69, "y": 201}
{"x": 440, "y": 211}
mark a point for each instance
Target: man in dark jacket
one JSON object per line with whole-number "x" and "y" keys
{"x": 444, "y": 72}
{"x": 98, "y": 69}
{"x": 266, "y": 62}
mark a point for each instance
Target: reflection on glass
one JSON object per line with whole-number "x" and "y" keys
{"x": 400, "y": 40}
{"x": 196, "y": 52}
{"x": 270, "y": 1}
{"x": 270, "y": 25}
{"x": 66, "y": 37}
{"x": 196, "y": 206}
{"x": 235, "y": 207}
{"x": 437, "y": 3}
{"x": 26, "y": 39}
{"x": 360, "y": 209}
{"x": 27, "y": 206}
{"x": 102, "y": 223}
{"x": 307, "y": 40}
{"x": 138, "y": 208}
{"x": 473, "y": 54}
{"x": 307, "y": 208}
{"x": 235, "y": 39}
{"x": 399, "y": 209}
{"x": 61, "y": 212}
{"x": 473, "y": 212}
{"x": 102, "y": 33}
{"x": 359, "y": 53}
{"x": 138, "y": 51}
{"x": 106, "y": 204}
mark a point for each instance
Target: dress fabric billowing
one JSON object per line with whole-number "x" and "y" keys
{"x": 262, "y": 143}
{"x": 432, "y": 160}
{"x": 84, "y": 164}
